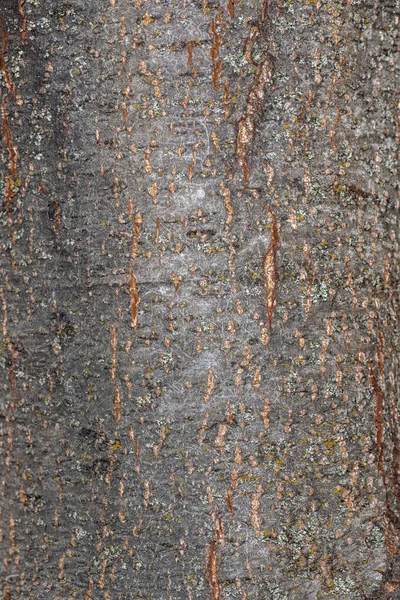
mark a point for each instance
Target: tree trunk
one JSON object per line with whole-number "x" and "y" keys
{"x": 199, "y": 292}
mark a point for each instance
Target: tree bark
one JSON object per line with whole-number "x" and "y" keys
{"x": 199, "y": 293}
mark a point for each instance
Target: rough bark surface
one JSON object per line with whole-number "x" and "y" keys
{"x": 199, "y": 296}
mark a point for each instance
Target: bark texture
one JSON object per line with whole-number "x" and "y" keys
{"x": 199, "y": 295}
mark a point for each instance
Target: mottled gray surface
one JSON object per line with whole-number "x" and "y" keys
{"x": 232, "y": 435}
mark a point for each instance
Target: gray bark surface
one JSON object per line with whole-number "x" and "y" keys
{"x": 199, "y": 294}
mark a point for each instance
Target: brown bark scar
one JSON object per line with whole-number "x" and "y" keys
{"x": 212, "y": 572}
{"x": 210, "y": 386}
{"x": 117, "y": 404}
{"x": 158, "y": 227}
{"x": 255, "y": 506}
{"x": 132, "y": 286}
{"x": 254, "y": 33}
{"x": 12, "y": 163}
{"x": 228, "y": 224}
{"x": 217, "y": 62}
{"x": 229, "y": 502}
{"x": 190, "y": 59}
{"x": 23, "y": 20}
{"x": 133, "y": 291}
{"x": 270, "y": 269}
{"x": 246, "y": 127}
{"x": 264, "y": 414}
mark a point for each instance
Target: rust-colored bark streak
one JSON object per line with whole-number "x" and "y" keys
{"x": 132, "y": 286}
{"x": 264, "y": 11}
{"x": 229, "y": 502}
{"x": 210, "y": 386}
{"x": 228, "y": 224}
{"x": 136, "y": 232}
{"x": 23, "y": 20}
{"x": 244, "y": 139}
{"x": 271, "y": 270}
{"x": 3, "y": 66}
{"x": 255, "y": 506}
{"x": 158, "y": 228}
{"x": 253, "y": 109}
{"x": 147, "y": 164}
{"x": 263, "y": 76}
{"x": 89, "y": 591}
{"x": 226, "y": 100}
{"x": 212, "y": 572}
{"x": 265, "y": 413}
{"x": 203, "y": 428}
{"x": 12, "y": 168}
{"x": 228, "y": 205}
{"x": 124, "y": 113}
{"x": 12, "y": 162}
{"x": 190, "y": 59}
{"x": 117, "y": 404}
{"x": 254, "y": 34}
{"x": 133, "y": 291}
{"x": 217, "y": 62}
